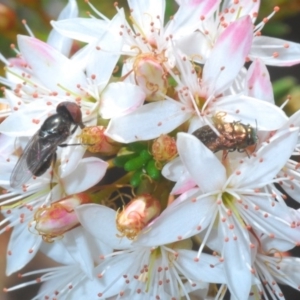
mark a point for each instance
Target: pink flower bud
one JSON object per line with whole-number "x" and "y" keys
{"x": 59, "y": 217}
{"x": 137, "y": 214}
{"x": 150, "y": 75}
{"x": 164, "y": 148}
{"x": 97, "y": 141}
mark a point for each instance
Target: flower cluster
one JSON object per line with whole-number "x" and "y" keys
{"x": 153, "y": 163}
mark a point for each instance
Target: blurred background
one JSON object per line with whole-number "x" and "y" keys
{"x": 285, "y": 24}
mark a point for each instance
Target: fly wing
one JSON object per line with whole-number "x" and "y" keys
{"x": 37, "y": 155}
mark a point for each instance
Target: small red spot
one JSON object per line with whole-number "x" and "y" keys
{"x": 179, "y": 237}
{"x": 30, "y": 251}
{"x": 275, "y": 54}
{"x": 199, "y": 227}
{"x": 196, "y": 259}
{"x": 9, "y": 252}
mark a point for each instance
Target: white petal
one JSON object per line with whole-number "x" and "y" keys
{"x": 27, "y": 120}
{"x": 55, "y": 39}
{"x": 89, "y": 171}
{"x": 237, "y": 259}
{"x": 270, "y": 218}
{"x": 198, "y": 159}
{"x": 120, "y": 99}
{"x": 148, "y": 122}
{"x": 260, "y": 169}
{"x": 195, "y": 45}
{"x": 207, "y": 269}
{"x": 103, "y": 61}
{"x": 234, "y": 41}
{"x": 82, "y": 29}
{"x": 257, "y": 113}
{"x": 179, "y": 222}
{"x": 144, "y": 13}
{"x": 274, "y": 51}
{"x": 258, "y": 82}
{"x": 100, "y": 221}
{"x": 58, "y": 252}
{"x": 22, "y": 247}
{"x": 76, "y": 244}
{"x": 50, "y": 66}
{"x": 188, "y": 16}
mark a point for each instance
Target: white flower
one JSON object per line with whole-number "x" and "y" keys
{"x": 19, "y": 206}
{"x": 144, "y": 272}
{"x": 199, "y": 101}
{"x": 272, "y": 51}
{"x": 272, "y": 267}
{"x": 232, "y": 201}
{"x": 79, "y": 252}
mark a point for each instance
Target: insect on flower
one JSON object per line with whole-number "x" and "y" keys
{"x": 40, "y": 151}
{"x": 232, "y": 135}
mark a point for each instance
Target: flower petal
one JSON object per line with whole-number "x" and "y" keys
{"x": 89, "y": 171}
{"x": 236, "y": 253}
{"x": 51, "y": 67}
{"x": 198, "y": 159}
{"x": 162, "y": 117}
{"x": 82, "y": 29}
{"x": 55, "y": 39}
{"x": 106, "y": 52}
{"x": 275, "y": 52}
{"x": 258, "y": 82}
{"x": 207, "y": 269}
{"x": 100, "y": 221}
{"x": 235, "y": 41}
{"x": 120, "y": 98}
{"x": 179, "y": 222}
{"x": 260, "y": 169}
{"x": 22, "y": 247}
{"x": 188, "y": 15}
{"x": 257, "y": 113}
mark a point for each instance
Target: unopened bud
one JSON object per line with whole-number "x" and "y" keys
{"x": 97, "y": 141}
{"x": 137, "y": 214}
{"x": 59, "y": 217}
{"x": 164, "y": 148}
{"x": 150, "y": 75}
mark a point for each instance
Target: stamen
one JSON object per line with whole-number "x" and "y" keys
{"x": 27, "y": 28}
{"x": 98, "y": 13}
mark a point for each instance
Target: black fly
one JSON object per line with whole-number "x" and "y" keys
{"x": 40, "y": 151}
